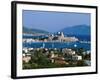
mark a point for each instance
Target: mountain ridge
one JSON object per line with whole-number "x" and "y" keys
{"x": 33, "y": 31}
{"x": 76, "y": 30}
{"x": 73, "y": 30}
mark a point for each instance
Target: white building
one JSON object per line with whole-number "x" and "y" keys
{"x": 76, "y": 57}
{"x": 68, "y": 51}
{"x": 25, "y": 50}
{"x": 26, "y": 58}
{"x": 61, "y": 37}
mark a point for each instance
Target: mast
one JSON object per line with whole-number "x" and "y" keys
{"x": 43, "y": 45}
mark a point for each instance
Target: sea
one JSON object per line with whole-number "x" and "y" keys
{"x": 84, "y": 42}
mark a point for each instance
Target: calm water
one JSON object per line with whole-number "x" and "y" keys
{"x": 86, "y": 46}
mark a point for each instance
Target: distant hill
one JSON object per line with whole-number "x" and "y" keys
{"x": 77, "y": 30}
{"x": 33, "y": 31}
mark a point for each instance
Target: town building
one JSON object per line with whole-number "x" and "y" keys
{"x": 76, "y": 57}
{"x": 26, "y": 58}
{"x": 67, "y": 51}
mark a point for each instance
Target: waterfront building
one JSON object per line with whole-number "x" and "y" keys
{"x": 59, "y": 37}
{"x": 62, "y": 38}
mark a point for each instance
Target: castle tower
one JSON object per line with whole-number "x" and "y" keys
{"x": 62, "y": 35}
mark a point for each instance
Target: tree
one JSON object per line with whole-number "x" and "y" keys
{"x": 81, "y": 63}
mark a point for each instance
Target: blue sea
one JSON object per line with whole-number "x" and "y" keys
{"x": 86, "y": 46}
{"x": 78, "y": 44}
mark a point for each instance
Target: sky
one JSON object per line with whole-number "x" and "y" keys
{"x": 53, "y": 21}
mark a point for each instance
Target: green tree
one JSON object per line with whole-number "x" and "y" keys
{"x": 81, "y": 63}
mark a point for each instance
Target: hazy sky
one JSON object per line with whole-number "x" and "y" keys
{"x": 53, "y": 21}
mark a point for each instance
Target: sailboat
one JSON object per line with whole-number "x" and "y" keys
{"x": 75, "y": 45}
{"x": 43, "y": 45}
{"x": 52, "y": 45}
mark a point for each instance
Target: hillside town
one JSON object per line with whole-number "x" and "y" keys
{"x": 43, "y": 57}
